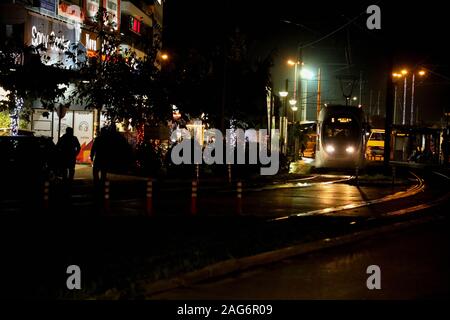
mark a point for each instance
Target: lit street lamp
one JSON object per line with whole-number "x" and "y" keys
{"x": 420, "y": 73}
{"x": 397, "y": 75}
{"x": 283, "y": 119}
{"x": 294, "y": 108}
{"x": 295, "y": 64}
{"x": 403, "y": 74}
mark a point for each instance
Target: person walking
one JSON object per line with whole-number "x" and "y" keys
{"x": 68, "y": 147}
{"x": 99, "y": 156}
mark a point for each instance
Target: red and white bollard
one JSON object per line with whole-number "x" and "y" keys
{"x": 239, "y": 198}
{"x": 149, "y": 197}
{"x": 106, "y": 196}
{"x": 46, "y": 194}
{"x": 194, "y": 198}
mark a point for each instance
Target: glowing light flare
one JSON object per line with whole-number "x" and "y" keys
{"x": 350, "y": 149}
{"x": 306, "y": 74}
{"x": 329, "y": 148}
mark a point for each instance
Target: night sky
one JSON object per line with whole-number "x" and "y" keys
{"x": 413, "y": 35}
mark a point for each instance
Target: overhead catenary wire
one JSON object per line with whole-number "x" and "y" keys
{"x": 336, "y": 30}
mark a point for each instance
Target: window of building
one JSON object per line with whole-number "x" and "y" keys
{"x": 135, "y": 25}
{"x": 112, "y": 5}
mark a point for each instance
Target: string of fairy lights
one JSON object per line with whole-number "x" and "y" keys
{"x": 15, "y": 116}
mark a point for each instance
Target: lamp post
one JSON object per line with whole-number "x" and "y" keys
{"x": 398, "y": 75}
{"x": 404, "y": 74}
{"x": 294, "y": 108}
{"x": 420, "y": 73}
{"x": 283, "y": 95}
{"x": 295, "y": 64}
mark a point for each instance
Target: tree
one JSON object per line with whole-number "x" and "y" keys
{"x": 115, "y": 81}
{"x": 205, "y": 79}
{"x": 25, "y": 79}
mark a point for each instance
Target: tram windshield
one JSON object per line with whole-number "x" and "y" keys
{"x": 340, "y": 128}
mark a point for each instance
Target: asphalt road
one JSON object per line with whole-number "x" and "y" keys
{"x": 414, "y": 263}
{"x": 127, "y": 197}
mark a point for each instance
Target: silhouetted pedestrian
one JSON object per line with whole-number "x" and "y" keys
{"x": 99, "y": 156}
{"x": 68, "y": 147}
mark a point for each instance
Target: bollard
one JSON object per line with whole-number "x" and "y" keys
{"x": 197, "y": 171}
{"x": 46, "y": 194}
{"x": 194, "y": 198}
{"x": 357, "y": 175}
{"x": 106, "y": 196}
{"x": 149, "y": 197}
{"x": 229, "y": 173}
{"x": 239, "y": 198}
{"x": 393, "y": 175}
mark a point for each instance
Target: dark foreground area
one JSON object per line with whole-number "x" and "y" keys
{"x": 413, "y": 263}
{"x": 120, "y": 257}
{"x": 117, "y": 253}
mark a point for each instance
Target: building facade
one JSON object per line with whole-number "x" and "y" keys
{"x": 67, "y": 23}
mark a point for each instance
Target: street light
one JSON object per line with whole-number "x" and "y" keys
{"x": 295, "y": 64}
{"x": 420, "y": 73}
{"x": 396, "y": 76}
{"x": 306, "y": 74}
{"x": 283, "y": 118}
{"x": 294, "y": 108}
{"x": 403, "y": 74}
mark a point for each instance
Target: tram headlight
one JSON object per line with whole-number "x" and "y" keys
{"x": 350, "y": 149}
{"x": 329, "y": 148}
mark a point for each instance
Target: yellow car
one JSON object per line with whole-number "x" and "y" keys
{"x": 375, "y": 145}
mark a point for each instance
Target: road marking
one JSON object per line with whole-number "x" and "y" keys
{"x": 442, "y": 175}
{"x": 398, "y": 195}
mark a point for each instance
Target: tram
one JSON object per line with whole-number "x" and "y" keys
{"x": 341, "y": 137}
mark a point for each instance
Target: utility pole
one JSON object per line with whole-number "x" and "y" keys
{"x": 360, "y": 88}
{"x": 284, "y": 119}
{"x": 389, "y": 110}
{"x": 299, "y": 83}
{"x": 318, "y": 92}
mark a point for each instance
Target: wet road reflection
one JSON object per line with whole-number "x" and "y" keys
{"x": 414, "y": 264}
